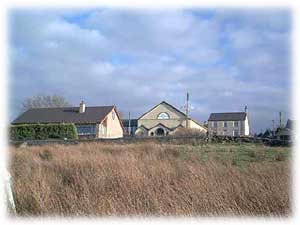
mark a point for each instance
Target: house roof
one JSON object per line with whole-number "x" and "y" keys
{"x": 163, "y": 102}
{"x": 230, "y": 116}
{"x": 160, "y": 124}
{"x": 64, "y": 115}
{"x": 289, "y": 124}
{"x": 142, "y": 126}
{"x": 133, "y": 122}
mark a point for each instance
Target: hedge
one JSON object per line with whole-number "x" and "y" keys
{"x": 43, "y": 131}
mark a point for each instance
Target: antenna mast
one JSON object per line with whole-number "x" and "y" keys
{"x": 187, "y": 110}
{"x": 280, "y": 119}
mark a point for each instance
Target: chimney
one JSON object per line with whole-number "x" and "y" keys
{"x": 82, "y": 107}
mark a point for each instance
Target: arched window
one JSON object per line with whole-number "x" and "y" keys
{"x": 163, "y": 116}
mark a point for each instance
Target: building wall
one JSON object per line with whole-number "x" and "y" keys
{"x": 132, "y": 130}
{"x": 150, "y": 119}
{"x": 226, "y": 131}
{"x": 194, "y": 125}
{"x": 247, "y": 127}
{"x": 151, "y": 122}
{"x": 110, "y": 127}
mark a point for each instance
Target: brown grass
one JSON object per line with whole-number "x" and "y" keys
{"x": 151, "y": 179}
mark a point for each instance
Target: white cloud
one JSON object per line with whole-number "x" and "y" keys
{"x": 135, "y": 59}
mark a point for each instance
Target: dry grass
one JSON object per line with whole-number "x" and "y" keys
{"x": 151, "y": 179}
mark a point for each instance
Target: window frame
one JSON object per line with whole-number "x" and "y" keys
{"x": 163, "y": 113}
{"x": 236, "y": 122}
{"x": 89, "y": 129}
{"x": 238, "y": 133}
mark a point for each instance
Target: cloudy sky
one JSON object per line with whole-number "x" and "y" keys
{"x": 134, "y": 59}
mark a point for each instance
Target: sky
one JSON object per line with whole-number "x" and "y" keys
{"x": 134, "y": 59}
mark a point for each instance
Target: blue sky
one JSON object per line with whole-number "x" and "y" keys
{"x": 134, "y": 59}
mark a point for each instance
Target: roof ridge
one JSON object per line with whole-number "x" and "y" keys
{"x": 227, "y": 112}
{"x": 71, "y": 107}
{"x": 160, "y": 104}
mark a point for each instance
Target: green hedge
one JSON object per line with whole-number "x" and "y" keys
{"x": 43, "y": 131}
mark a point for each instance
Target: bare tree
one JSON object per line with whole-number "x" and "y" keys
{"x": 43, "y": 101}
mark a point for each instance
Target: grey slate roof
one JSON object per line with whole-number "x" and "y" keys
{"x": 289, "y": 124}
{"x": 133, "y": 122}
{"x": 64, "y": 115}
{"x": 230, "y": 116}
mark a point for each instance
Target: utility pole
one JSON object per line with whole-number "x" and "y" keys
{"x": 280, "y": 119}
{"x": 273, "y": 122}
{"x": 187, "y": 110}
{"x": 129, "y": 124}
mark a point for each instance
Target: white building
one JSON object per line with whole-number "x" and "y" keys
{"x": 235, "y": 124}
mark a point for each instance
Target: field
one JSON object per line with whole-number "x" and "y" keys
{"x": 150, "y": 179}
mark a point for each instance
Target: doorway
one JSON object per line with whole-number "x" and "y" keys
{"x": 160, "y": 132}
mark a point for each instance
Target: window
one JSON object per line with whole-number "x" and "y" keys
{"x": 235, "y": 133}
{"x": 113, "y": 115}
{"x": 86, "y": 129}
{"x": 163, "y": 116}
{"x": 236, "y": 123}
{"x": 224, "y": 124}
{"x": 215, "y": 124}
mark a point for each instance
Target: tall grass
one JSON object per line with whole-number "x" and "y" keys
{"x": 150, "y": 179}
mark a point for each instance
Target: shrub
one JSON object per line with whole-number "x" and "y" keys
{"x": 280, "y": 157}
{"x": 181, "y": 132}
{"x": 42, "y": 131}
{"x": 46, "y": 155}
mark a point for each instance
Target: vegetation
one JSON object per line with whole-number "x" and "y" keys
{"x": 42, "y": 101}
{"x": 152, "y": 179}
{"x": 43, "y": 131}
{"x": 189, "y": 132}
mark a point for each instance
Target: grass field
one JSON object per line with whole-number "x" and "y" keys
{"x": 150, "y": 179}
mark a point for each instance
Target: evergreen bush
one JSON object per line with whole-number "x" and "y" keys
{"x": 43, "y": 131}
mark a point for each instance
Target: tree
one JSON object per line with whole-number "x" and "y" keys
{"x": 43, "y": 101}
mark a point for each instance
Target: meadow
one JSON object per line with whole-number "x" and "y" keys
{"x": 151, "y": 179}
